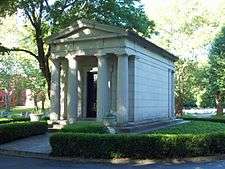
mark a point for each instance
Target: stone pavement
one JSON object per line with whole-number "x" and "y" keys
{"x": 35, "y": 144}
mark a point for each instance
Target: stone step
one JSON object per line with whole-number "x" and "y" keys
{"x": 143, "y": 127}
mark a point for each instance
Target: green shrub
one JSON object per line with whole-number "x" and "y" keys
{"x": 86, "y": 127}
{"x": 136, "y": 146}
{"x": 16, "y": 119}
{"x": 13, "y": 131}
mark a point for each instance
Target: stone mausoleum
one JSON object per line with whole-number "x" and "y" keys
{"x": 101, "y": 71}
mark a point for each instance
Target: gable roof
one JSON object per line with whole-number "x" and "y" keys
{"x": 131, "y": 35}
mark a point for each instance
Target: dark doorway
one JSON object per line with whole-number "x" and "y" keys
{"x": 91, "y": 94}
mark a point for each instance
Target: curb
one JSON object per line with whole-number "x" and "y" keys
{"x": 112, "y": 161}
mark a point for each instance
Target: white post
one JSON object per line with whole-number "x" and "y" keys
{"x": 102, "y": 88}
{"x": 122, "y": 89}
{"x": 63, "y": 89}
{"x": 72, "y": 90}
{"x": 55, "y": 90}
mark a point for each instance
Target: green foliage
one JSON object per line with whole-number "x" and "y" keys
{"x": 61, "y": 13}
{"x": 86, "y": 127}
{"x": 136, "y": 146}
{"x": 13, "y": 131}
{"x": 217, "y": 63}
{"x": 12, "y": 120}
{"x": 200, "y": 137}
{"x": 128, "y": 14}
{"x": 216, "y": 70}
{"x": 185, "y": 82}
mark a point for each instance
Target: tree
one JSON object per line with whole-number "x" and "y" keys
{"x": 8, "y": 74}
{"x": 185, "y": 83}
{"x": 187, "y": 29}
{"x": 35, "y": 81}
{"x": 46, "y": 18}
{"x": 217, "y": 70}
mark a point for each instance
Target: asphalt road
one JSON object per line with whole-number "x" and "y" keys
{"x": 9, "y": 162}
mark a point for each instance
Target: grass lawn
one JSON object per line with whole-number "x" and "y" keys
{"x": 193, "y": 127}
{"x": 16, "y": 111}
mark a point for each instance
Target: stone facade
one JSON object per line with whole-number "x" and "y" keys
{"x": 134, "y": 76}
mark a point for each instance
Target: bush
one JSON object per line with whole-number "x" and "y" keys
{"x": 136, "y": 146}
{"x": 13, "y": 131}
{"x": 86, "y": 127}
{"x": 17, "y": 119}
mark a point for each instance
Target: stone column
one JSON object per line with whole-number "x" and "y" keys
{"x": 122, "y": 89}
{"x": 55, "y": 90}
{"x": 102, "y": 88}
{"x": 63, "y": 89}
{"x": 72, "y": 90}
{"x": 173, "y": 94}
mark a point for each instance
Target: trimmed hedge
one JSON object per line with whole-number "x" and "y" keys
{"x": 136, "y": 146}
{"x": 14, "y": 120}
{"x": 86, "y": 127}
{"x": 13, "y": 131}
{"x": 204, "y": 119}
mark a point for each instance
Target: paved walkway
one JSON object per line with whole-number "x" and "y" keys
{"x": 34, "y": 144}
{"x": 9, "y": 162}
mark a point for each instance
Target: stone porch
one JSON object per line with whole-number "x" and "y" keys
{"x": 69, "y": 90}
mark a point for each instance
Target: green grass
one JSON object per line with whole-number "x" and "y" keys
{"x": 193, "y": 127}
{"x": 19, "y": 109}
{"x": 16, "y": 111}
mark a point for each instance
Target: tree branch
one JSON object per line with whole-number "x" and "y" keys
{"x": 47, "y": 4}
{"x": 40, "y": 11}
{"x": 29, "y": 17}
{"x": 8, "y": 50}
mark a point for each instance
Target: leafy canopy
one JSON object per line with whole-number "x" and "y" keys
{"x": 61, "y": 13}
{"x": 217, "y": 63}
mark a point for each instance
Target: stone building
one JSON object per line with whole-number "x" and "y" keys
{"x": 101, "y": 71}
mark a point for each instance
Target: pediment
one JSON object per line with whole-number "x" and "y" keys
{"x": 86, "y": 30}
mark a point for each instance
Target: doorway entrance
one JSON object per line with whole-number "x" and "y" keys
{"x": 91, "y": 94}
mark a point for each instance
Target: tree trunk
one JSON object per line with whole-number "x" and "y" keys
{"x": 43, "y": 58}
{"x": 7, "y": 102}
{"x": 219, "y": 106}
{"x": 179, "y": 106}
{"x": 43, "y": 105}
{"x": 35, "y": 102}
{"x": 42, "y": 101}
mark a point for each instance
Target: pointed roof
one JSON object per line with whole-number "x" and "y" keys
{"x": 111, "y": 31}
